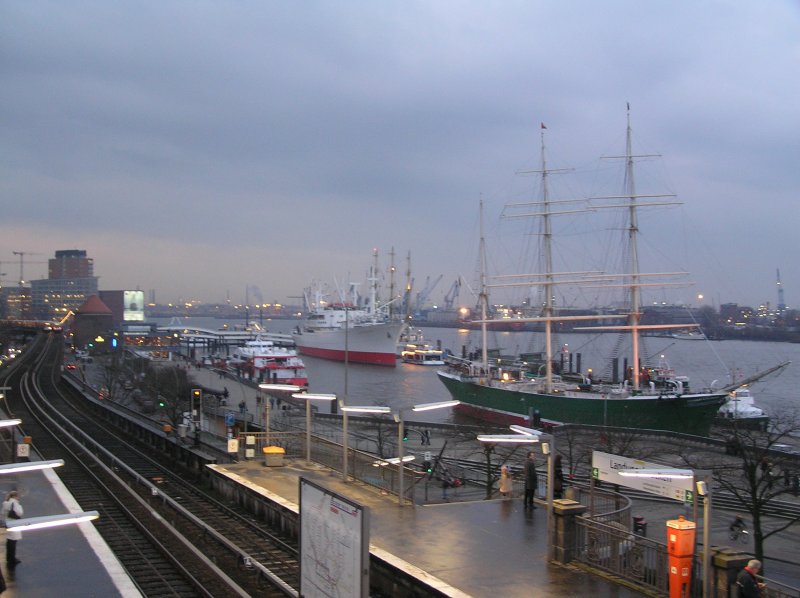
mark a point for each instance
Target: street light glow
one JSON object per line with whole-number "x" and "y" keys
{"x": 439, "y": 405}
{"x": 366, "y": 409}
{"x": 393, "y": 461}
{"x": 677, "y": 474}
{"x": 524, "y": 430}
{"x": 7, "y": 423}
{"x": 313, "y": 397}
{"x": 280, "y": 387}
{"x": 508, "y": 438}
{"x": 32, "y": 466}
{"x": 31, "y": 523}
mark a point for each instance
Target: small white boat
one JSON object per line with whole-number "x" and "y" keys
{"x": 740, "y": 409}
{"x": 422, "y": 354}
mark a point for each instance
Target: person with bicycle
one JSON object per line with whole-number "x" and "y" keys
{"x": 737, "y": 526}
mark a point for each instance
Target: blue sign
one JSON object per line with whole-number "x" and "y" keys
{"x": 230, "y": 418}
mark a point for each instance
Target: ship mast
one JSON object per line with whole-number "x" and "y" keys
{"x": 633, "y": 229}
{"x": 484, "y": 297}
{"x": 548, "y": 265}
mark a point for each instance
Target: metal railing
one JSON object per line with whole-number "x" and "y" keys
{"x": 613, "y": 548}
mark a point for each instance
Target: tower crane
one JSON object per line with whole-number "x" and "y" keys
{"x": 21, "y": 254}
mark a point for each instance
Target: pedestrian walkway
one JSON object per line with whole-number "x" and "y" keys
{"x": 478, "y": 548}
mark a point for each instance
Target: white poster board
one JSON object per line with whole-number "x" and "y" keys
{"x": 334, "y": 544}
{"x": 605, "y": 467}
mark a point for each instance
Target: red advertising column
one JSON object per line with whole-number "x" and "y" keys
{"x": 680, "y": 548}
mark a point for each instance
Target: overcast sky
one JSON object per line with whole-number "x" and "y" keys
{"x": 201, "y": 148}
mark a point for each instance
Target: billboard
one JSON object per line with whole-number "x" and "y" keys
{"x": 133, "y": 306}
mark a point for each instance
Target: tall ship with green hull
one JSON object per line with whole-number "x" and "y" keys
{"x": 536, "y": 388}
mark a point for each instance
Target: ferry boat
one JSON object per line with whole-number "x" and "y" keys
{"x": 264, "y": 361}
{"x": 422, "y": 354}
{"x": 524, "y": 390}
{"x": 346, "y": 329}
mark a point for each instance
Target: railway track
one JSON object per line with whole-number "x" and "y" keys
{"x": 173, "y": 538}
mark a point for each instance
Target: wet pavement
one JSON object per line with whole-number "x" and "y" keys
{"x": 474, "y": 548}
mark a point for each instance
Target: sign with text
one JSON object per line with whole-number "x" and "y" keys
{"x": 334, "y": 544}
{"x": 606, "y": 467}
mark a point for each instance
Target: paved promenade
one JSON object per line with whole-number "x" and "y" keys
{"x": 477, "y": 548}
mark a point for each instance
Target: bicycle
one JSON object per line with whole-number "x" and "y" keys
{"x": 740, "y": 535}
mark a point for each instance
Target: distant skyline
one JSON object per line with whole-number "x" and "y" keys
{"x": 201, "y": 149}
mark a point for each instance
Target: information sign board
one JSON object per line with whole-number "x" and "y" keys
{"x": 606, "y": 467}
{"x": 334, "y": 544}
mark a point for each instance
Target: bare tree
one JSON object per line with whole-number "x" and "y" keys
{"x": 755, "y": 469}
{"x": 170, "y": 388}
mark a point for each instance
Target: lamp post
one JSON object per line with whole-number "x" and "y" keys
{"x": 354, "y": 409}
{"x": 284, "y": 388}
{"x": 704, "y": 489}
{"x": 549, "y": 449}
{"x": 308, "y": 397}
{"x": 398, "y": 417}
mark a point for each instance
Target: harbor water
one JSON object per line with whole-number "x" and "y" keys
{"x": 706, "y": 363}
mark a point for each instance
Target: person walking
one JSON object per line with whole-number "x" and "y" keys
{"x": 749, "y": 586}
{"x": 531, "y": 481}
{"x": 12, "y": 509}
{"x": 506, "y": 484}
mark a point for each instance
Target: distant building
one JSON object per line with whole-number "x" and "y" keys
{"x": 93, "y": 319}
{"x": 70, "y": 283}
{"x": 70, "y": 263}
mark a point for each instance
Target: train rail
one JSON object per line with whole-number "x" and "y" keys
{"x": 173, "y": 537}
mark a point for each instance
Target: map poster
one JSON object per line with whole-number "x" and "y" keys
{"x": 334, "y": 544}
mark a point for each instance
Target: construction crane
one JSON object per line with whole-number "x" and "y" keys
{"x": 21, "y": 254}
{"x": 452, "y": 295}
{"x": 422, "y": 296}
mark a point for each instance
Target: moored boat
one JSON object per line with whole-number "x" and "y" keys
{"x": 539, "y": 392}
{"x": 346, "y": 330}
{"x": 422, "y": 354}
{"x": 264, "y": 361}
{"x": 740, "y": 410}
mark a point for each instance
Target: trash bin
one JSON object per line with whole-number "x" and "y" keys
{"x": 273, "y": 456}
{"x": 639, "y": 526}
{"x": 182, "y": 428}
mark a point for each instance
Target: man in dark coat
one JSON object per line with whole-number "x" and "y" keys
{"x": 749, "y": 586}
{"x": 531, "y": 481}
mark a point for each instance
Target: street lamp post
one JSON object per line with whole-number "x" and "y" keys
{"x": 529, "y": 435}
{"x": 354, "y": 409}
{"x": 274, "y": 388}
{"x": 549, "y": 449}
{"x": 704, "y": 489}
{"x": 308, "y": 397}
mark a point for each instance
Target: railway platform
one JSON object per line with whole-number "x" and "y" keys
{"x": 465, "y": 548}
{"x": 62, "y": 561}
